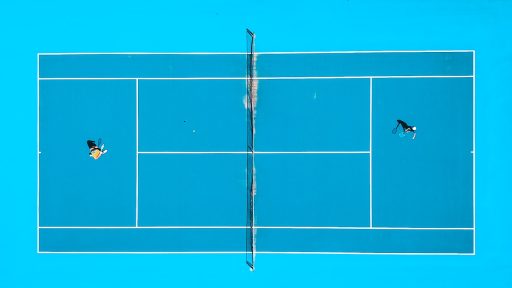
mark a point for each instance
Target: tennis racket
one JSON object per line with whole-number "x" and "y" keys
{"x": 394, "y": 130}
{"x": 101, "y": 145}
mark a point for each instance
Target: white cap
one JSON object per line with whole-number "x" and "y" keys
{"x": 413, "y": 128}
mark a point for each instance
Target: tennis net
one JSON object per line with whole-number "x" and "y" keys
{"x": 250, "y": 100}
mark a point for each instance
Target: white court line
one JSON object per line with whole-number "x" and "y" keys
{"x": 474, "y": 154}
{"x": 360, "y": 77}
{"x": 255, "y": 152}
{"x": 143, "y": 78}
{"x": 138, "y": 252}
{"x": 193, "y": 152}
{"x": 257, "y": 53}
{"x": 267, "y": 227}
{"x": 369, "y": 52}
{"x": 370, "y": 158}
{"x": 38, "y": 155}
{"x": 257, "y": 78}
{"x": 136, "y": 152}
{"x": 138, "y": 53}
{"x": 373, "y": 253}
{"x": 270, "y": 252}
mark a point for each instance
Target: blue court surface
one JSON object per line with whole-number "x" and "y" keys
{"x": 284, "y": 160}
{"x": 331, "y": 176}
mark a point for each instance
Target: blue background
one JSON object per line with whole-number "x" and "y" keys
{"x": 287, "y": 26}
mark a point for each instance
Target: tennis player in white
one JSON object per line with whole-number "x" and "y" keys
{"x": 406, "y": 128}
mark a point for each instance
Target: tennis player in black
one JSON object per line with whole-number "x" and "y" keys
{"x": 406, "y": 128}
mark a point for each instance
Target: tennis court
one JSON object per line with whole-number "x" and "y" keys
{"x": 323, "y": 194}
{"x": 329, "y": 175}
